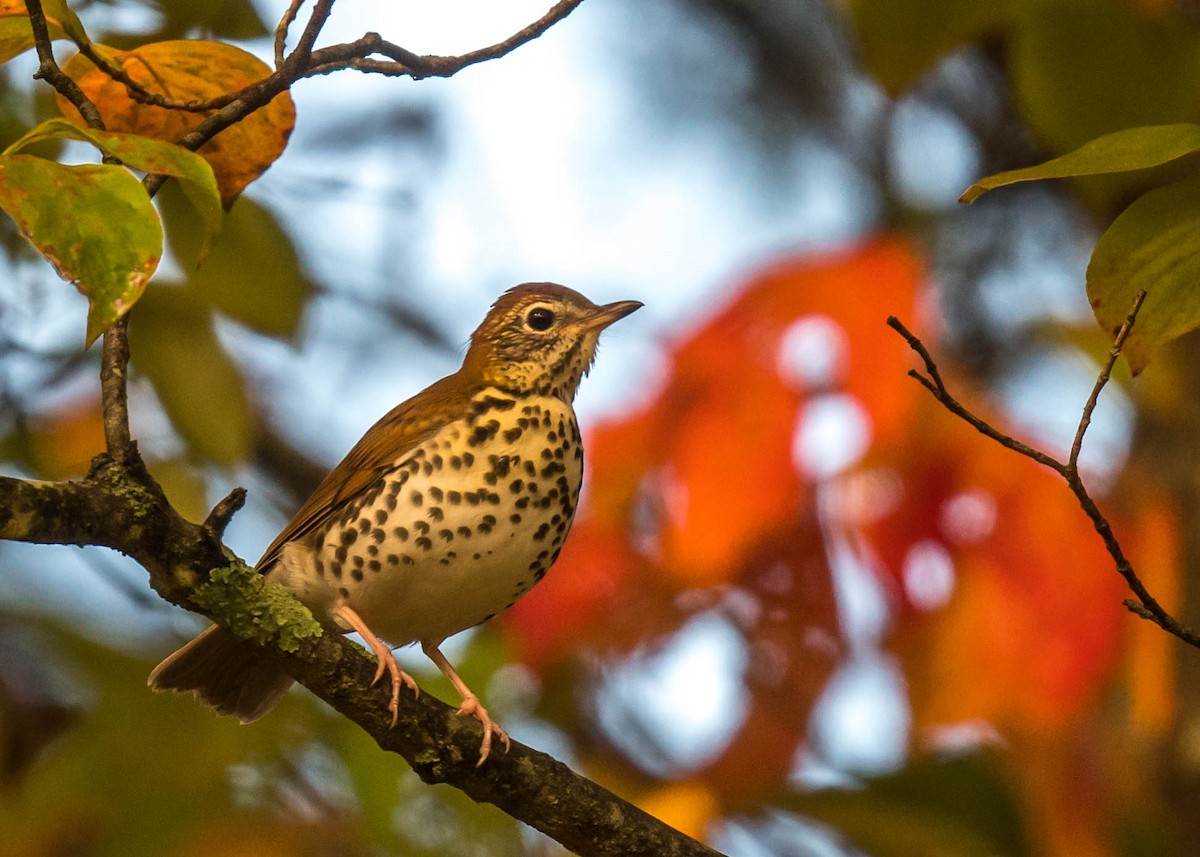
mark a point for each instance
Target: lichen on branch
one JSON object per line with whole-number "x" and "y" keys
{"x": 256, "y": 609}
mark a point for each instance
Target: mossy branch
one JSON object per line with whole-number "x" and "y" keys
{"x": 120, "y": 507}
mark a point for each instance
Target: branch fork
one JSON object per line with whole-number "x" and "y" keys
{"x": 1144, "y": 605}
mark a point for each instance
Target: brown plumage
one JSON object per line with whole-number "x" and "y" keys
{"x": 404, "y": 538}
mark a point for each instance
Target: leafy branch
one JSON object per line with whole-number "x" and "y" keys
{"x": 1144, "y": 605}
{"x": 119, "y": 505}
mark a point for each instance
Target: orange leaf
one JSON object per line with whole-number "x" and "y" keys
{"x": 190, "y": 69}
{"x": 1154, "y": 541}
{"x": 716, "y": 454}
{"x": 1031, "y": 628}
{"x": 575, "y": 600}
{"x": 688, "y": 807}
{"x": 63, "y": 442}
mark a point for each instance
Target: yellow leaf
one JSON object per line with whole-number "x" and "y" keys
{"x": 688, "y": 807}
{"x": 191, "y": 70}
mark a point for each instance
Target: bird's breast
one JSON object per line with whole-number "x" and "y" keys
{"x": 459, "y": 528}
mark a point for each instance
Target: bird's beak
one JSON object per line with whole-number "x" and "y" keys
{"x": 605, "y": 315}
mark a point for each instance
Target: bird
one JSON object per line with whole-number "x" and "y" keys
{"x": 449, "y": 509}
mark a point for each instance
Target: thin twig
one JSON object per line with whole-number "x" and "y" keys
{"x": 937, "y": 387}
{"x": 49, "y": 71}
{"x": 1146, "y": 606}
{"x": 525, "y": 34}
{"x": 409, "y": 64}
{"x": 139, "y": 93}
{"x": 1114, "y": 352}
{"x": 304, "y": 61}
{"x": 299, "y": 57}
{"x": 281, "y": 30}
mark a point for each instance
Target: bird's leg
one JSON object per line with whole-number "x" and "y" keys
{"x": 387, "y": 661}
{"x": 470, "y": 702}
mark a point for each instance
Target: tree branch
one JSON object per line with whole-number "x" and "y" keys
{"x": 114, "y": 510}
{"x": 114, "y": 393}
{"x": 1146, "y": 606}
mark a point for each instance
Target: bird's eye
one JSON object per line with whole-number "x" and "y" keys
{"x": 539, "y": 318}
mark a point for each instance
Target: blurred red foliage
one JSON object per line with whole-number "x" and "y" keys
{"x": 726, "y": 492}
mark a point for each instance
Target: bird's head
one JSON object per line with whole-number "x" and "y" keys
{"x": 540, "y": 337}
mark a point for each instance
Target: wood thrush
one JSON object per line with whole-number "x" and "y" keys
{"x": 447, "y": 511}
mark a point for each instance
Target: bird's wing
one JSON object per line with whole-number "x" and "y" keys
{"x": 399, "y": 431}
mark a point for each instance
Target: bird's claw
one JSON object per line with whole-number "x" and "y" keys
{"x": 387, "y": 663}
{"x": 472, "y": 706}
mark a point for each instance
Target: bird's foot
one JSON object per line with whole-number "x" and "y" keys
{"x": 471, "y": 705}
{"x": 387, "y": 662}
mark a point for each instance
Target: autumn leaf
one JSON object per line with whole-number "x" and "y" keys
{"x": 110, "y": 245}
{"x": 805, "y": 334}
{"x": 151, "y": 156}
{"x": 191, "y": 69}
{"x": 994, "y": 624}
{"x": 1152, "y": 246}
{"x": 63, "y": 441}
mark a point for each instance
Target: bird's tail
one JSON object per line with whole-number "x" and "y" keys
{"x": 225, "y": 673}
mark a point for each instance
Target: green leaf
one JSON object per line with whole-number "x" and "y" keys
{"x": 1083, "y": 68}
{"x": 223, "y": 19}
{"x": 1121, "y": 151}
{"x": 902, "y": 39}
{"x": 1153, "y": 245}
{"x": 93, "y": 222}
{"x": 59, "y": 11}
{"x": 253, "y": 274}
{"x": 173, "y": 342}
{"x": 16, "y": 33}
{"x": 194, "y": 174}
{"x": 958, "y": 806}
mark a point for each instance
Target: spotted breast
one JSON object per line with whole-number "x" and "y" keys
{"x": 469, "y": 520}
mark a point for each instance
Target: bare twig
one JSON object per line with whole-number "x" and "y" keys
{"x": 299, "y": 57}
{"x": 281, "y": 30}
{"x": 405, "y": 63}
{"x": 446, "y": 66}
{"x": 1146, "y": 605}
{"x": 49, "y": 71}
{"x": 934, "y": 384}
{"x": 1114, "y": 352}
{"x": 304, "y": 61}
